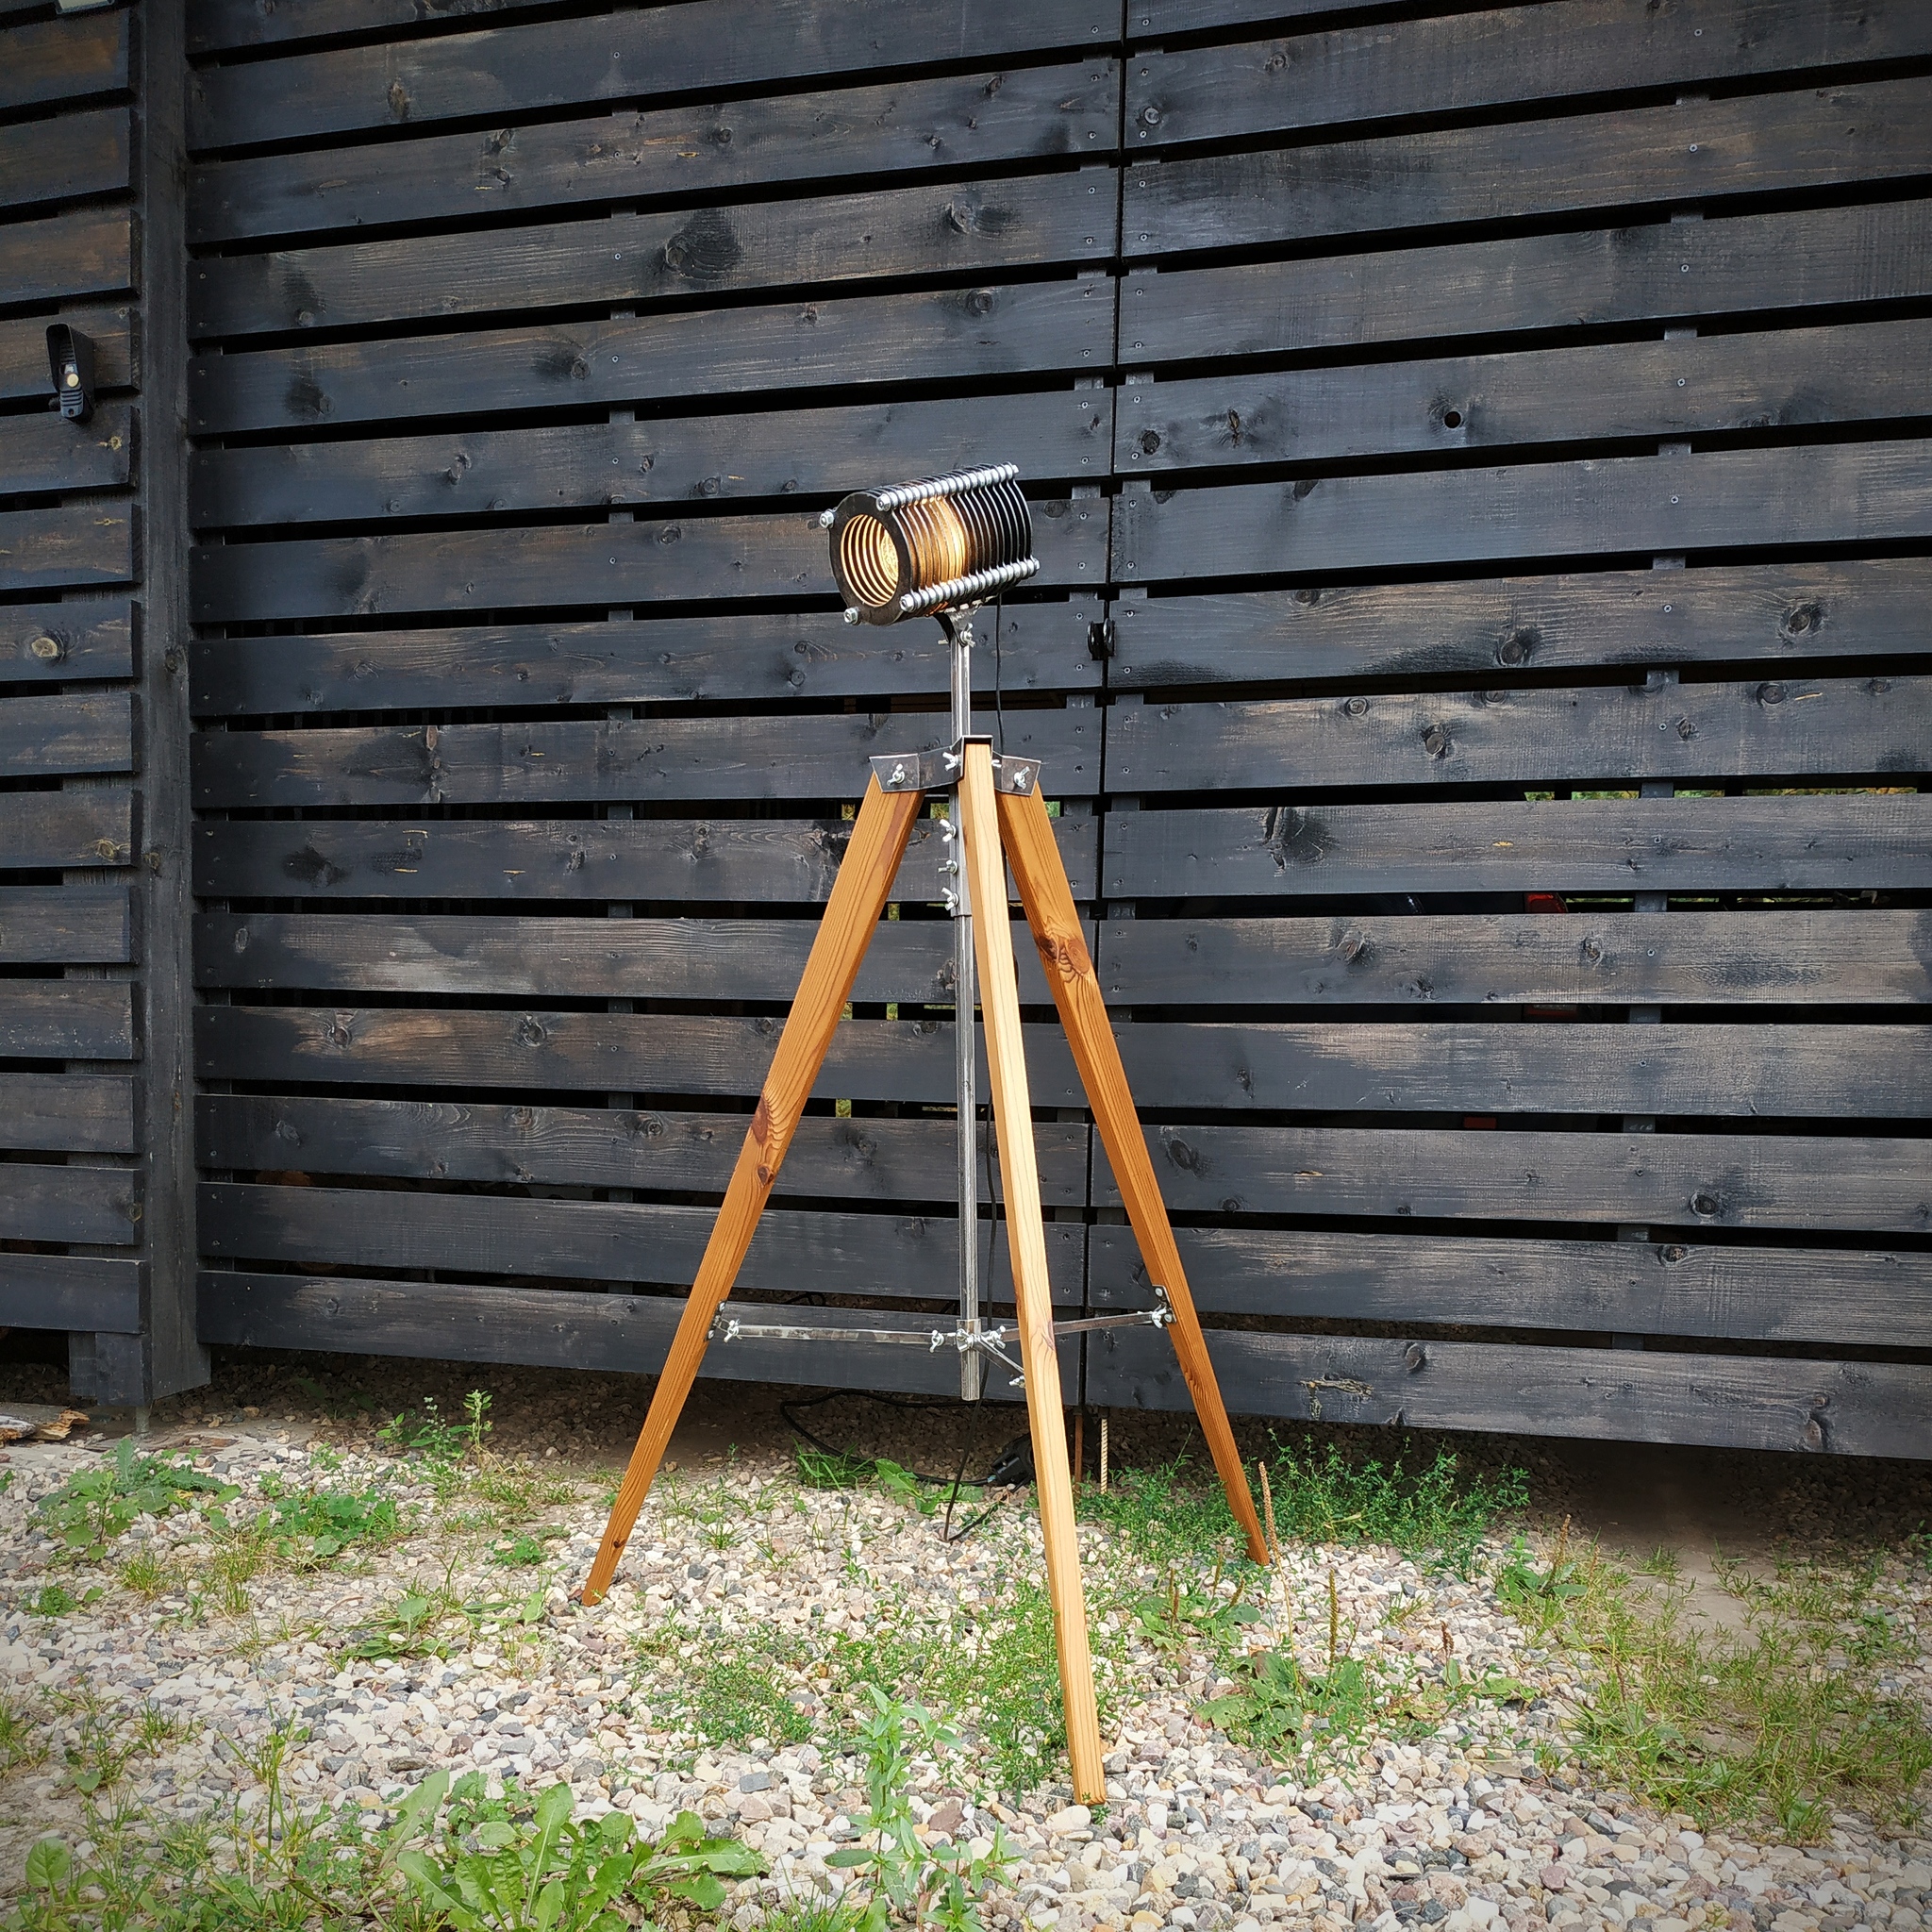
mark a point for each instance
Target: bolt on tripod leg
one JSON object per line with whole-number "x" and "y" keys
{"x": 859, "y": 896}
{"x": 1054, "y": 922}
{"x": 999, "y": 998}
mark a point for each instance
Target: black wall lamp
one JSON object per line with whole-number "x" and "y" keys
{"x": 71, "y": 362}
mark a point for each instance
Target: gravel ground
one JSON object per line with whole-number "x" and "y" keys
{"x": 1462, "y": 1830}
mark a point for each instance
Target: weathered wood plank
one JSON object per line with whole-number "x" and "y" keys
{"x": 86, "y": 251}
{"x": 45, "y": 453}
{"x": 1842, "y": 957}
{"x": 560, "y": 1328}
{"x": 1774, "y": 727}
{"x": 66, "y": 642}
{"x": 1767, "y": 1072}
{"x": 794, "y": 1251}
{"x": 47, "y": 925}
{"x": 813, "y": 655}
{"x": 1357, "y": 75}
{"x": 1881, "y": 250}
{"x": 621, "y": 55}
{"x": 67, "y": 1113}
{"x": 87, "y": 543}
{"x": 911, "y": 126}
{"x": 948, "y": 229}
{"x": 76, "y": 828}
{"x": 632, "y": 1053}
{"x": 788, "y": 347}
{"x": 1563, "y": 845}
{"x": 64, "y": 158}
{"x": 685, "y": 861}
{"x": 76, "y": 731}
{"x": 660, "y": 460}
{"x": 24, "y": 370}
{"x": 217, "y": 25}
{"x": 1759, "y": 1181}
{"x": 871, "y": 1160}
{"x": 770, "y": 756}
{"x": 509, "y": 957}
{"x": 1787, "y": 612}
{"x": 1875, "y": 1073}
{"x": 1784, "y": 1294}
{"x": 778, "y": 555}
{"x": 87, "y": 1291}
{"x": 63, "y": 59}
{"x": 1857, "y": 1408}
{"x": 1777, "y": 379}
{"x": 1760, "y": 143}
{"x": 1762, "y": 498}
{"x": 97, "y": 1205}
{"x": 66, "y": 1018}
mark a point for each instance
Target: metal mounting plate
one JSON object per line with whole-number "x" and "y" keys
{"x": 938, "y": 770}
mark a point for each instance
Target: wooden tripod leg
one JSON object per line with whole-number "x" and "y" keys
{"x": 1012, "y": 1107}
{"x": 859, "y": 896}
{"x": 1056, "y": 924}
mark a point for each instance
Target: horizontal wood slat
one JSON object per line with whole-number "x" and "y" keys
{"x": 1781, "y": 611}
{"x": 78, "y": 731}
{"x": 1874, "y": 1073}
{"x": 662, "y": 461}
{"x": 656, "y": 1054}
{"x": 1584, "y": 845}
{"x": 817, "y": 756}
{"x": 1760, "y": 1181}
{"x": 45, "y": 452}
{"x": 690, "y": 960}
{"x": 75, "y": 828}
{"x": 62, "y": 925}
{"x": 667, "y": 660}
{"x": 1509, "y": 56}
{"x": 1858, "y": 494}
{"x": 82, "y": 639}
{"x": 1734, "y": 1072}
{"x": 23, "y": 368}
{"x": 1859, "y": 1408}
{"x": 794, "y": 1252}
{"x": 88, "y": 1291}
{"x": 65, "y": 159}
{"x": 88, "y": 251}
{"x": 62, "y": 1019}
{"x": 914, "y": 126}
{"x": 1861, "y": 1297}
{"x": 757, "y": 862}
{"x": 90, "y": 543}
{"x": 96, "y": 1204}
{"x": 216, "y": 27}
{"x": 967, "y": 335}
{"x": 1656, "y": 271}
{"x": 560, "y": 1328}
{"x": 1689, "y": 152}
{"x": 63, "y": 59}
{"x": 66, "y": 1113}
{"x": 1844, "y": 957}
{"x": 1805, "y": 725}
{"x": 1776, "y": 380}
{"x": 949, "y": 229}
{"x": 622, "y": 56}
{"x": 848, "y": 1159}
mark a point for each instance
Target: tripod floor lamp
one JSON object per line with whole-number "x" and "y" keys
{"x": 942, "y": 547}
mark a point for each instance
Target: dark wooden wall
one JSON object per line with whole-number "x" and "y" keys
{"x": 1480, "y": 660}
{"x": 94, "y": 1109}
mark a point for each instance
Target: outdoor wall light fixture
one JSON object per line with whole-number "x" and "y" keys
{"x": 930, "y": 546}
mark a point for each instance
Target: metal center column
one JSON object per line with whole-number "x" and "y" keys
{"x": 972, "y": 1363}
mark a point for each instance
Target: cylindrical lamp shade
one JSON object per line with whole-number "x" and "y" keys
{"x": 932, "y": 546}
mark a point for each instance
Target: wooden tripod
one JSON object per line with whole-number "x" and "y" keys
{"x": 1002, "y": 821}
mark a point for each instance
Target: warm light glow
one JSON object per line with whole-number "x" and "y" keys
{"x": 937, "y": 544}
{"x": 868, "y": 561}
{"x": 937, "y": 537}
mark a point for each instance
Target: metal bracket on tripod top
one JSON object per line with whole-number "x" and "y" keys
{"x": 728, "y": 1324}
{"x": 938, "y": 769}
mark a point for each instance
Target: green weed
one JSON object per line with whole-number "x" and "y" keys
{"x": 23, "y": 1737}
{"x": 95, "y": 1505}
{"x": 57, "y": 1600}
{"x": 442, "y": 1448}
{"x": 819, "y": 1468}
